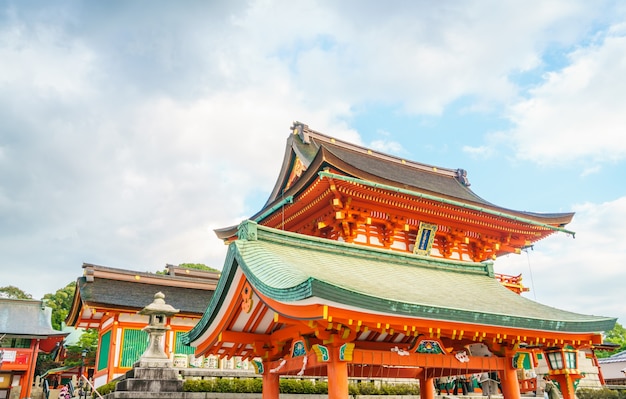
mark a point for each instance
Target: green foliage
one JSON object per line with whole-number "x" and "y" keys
{"x": 105, "y": 389}
{"x": 88, "y": 341}
{"x": 60, "y": 302}
{"x": 369, "y": 388}
{"x": 248, "y": 385}
{"x": 198, "y": 266}
{"x": 290, "y": 386}
{"x": 321, "y": 387}
{"x": 604, "y": 393}
{"x": 190, "y": 385}
{"x": 45, "y": 362}
{"x": 616, "y": 336}
{"x": 12, "y": 292}
{"x": 232, "y": 385}
{"x": 195, "y": 266}
{"x": 296, "y": 386}
{"x": 363, "y": 388}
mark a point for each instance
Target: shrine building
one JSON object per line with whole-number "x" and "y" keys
{"x": 25, "y": 331}
{"x": 108, "y": 299}
{"x": 362, "y": 263}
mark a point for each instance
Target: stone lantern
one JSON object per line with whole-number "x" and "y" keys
{"x": 152, "y": 375}
{"x": 158, "y": 312}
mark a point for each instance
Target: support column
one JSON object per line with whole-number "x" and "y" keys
{"x": 509, "y": 381}
{"x": 566, "y": 384}
{"x": 427, "y": 386}
{"x": 30, "y": 373}
{"x": 271, "y": 384}
{"x": 113, "y": 349}
{"x": 337, "y": 372}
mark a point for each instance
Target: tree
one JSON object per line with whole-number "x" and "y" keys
{"x": 196, "y": 266}
{"x": 616, "y": 336}
{"x": 60, "y": 302}
{"x": 13, "y": 292}
{"x": 87, "y": 342}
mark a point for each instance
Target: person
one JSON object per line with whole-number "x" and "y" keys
{"x": 550, "y": 390}
{"x": 64, "y": 393}
{"x": 459, "y": 381}
{"x": 487, "y": 385}
{"x": 493, "y": 375}
{"x": 444, "y": 384}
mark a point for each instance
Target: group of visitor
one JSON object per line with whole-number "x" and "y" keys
{"x": 455, "y": 384}
{"x": 489, "y": 384}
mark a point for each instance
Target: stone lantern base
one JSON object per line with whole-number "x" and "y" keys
{"x": 149, "y": 379}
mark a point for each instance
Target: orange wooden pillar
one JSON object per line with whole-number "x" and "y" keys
{"x": 508, "y": 379}
{"x": 427, "y": 386}
{"x": 337, "y": 371}
{"x": 30, "y": 373}
{"x": 271, "y": 384}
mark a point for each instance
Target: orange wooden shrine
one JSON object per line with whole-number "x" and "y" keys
{"x": 25, "y": 331}
{"x": 362, "y": 263}
{"x": 108, "y": 299}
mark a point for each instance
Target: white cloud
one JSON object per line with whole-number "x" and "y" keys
{"x": 388, "y": 147}
{"x": 591, "y": 170}
{"x": 583, "y": 274}
{"x": 478, "y": 152}
{"x": 577, "y": 112}
{"x": 43, "y": 62}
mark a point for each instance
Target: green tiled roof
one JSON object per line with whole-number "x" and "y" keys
{"x": 290, "y": 267}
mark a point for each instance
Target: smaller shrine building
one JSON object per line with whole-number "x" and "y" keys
{"x": 25, "y": 331}
{"x": 109, "y": 300}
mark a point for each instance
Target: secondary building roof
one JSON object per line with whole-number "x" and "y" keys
{"x": 106, "y": 288}
{"x": 617, "y": 357}
{"x": 26, "y": 318}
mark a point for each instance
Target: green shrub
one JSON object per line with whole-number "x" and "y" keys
{"x": 224, "y": 385}
{"x": 307, "y": 387}
{"x": 366, "y": 388}
{"x": 604, "y": 393}
{"x": 321, "y": 388}
{"x": 106, "y": 388}
{"x": 198, "y": 386}
{"x": 295, "y": 386}
{"x": 289, "y": 386}
{"x": 248, "y": 385}
{"x": 405, "y": 389}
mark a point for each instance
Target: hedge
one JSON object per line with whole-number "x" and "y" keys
{"x": 295, "y": 386}
{"x": 604, "y": 393}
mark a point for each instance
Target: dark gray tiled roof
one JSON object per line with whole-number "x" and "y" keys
{"x": 615, "y": 358}
{"x": 136, "y": 295}
{"x": 26, "y": 318}
{"x": 404, "y": 176}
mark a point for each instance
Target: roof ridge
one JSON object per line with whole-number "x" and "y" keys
{"x": 110, "y": 273}
{"x": 305, "y": 133}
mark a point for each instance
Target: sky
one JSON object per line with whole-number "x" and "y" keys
{"x": 130, "y": 130}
